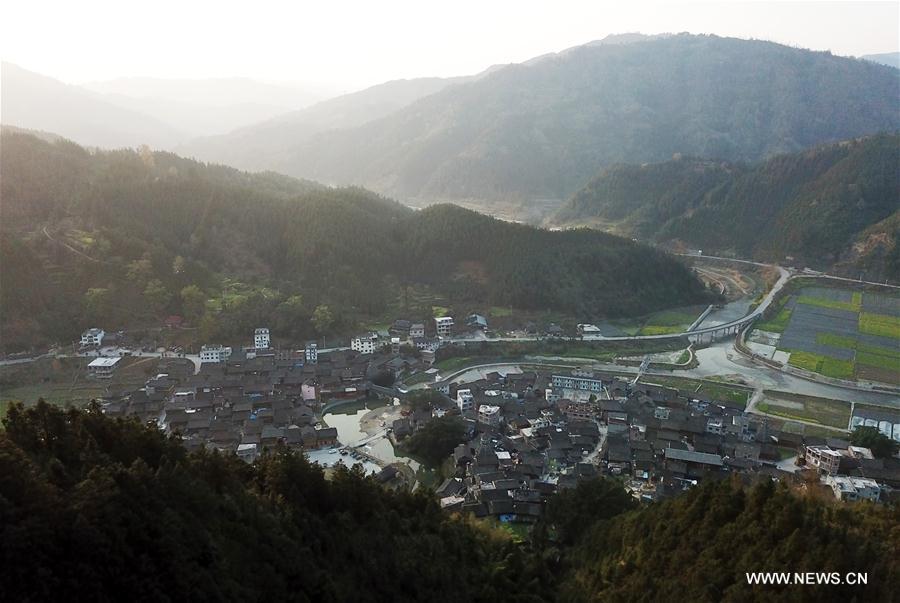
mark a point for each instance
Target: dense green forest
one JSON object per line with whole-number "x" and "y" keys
{"x": 699, "y": 546}
{"x": 125, "y": 237}
{"x": 833, "y": 204}
{"x": 541, "y": 129}
{"x": 101, "y": 509}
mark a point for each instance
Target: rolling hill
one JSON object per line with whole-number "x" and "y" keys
{"x": 542, "y": 129}
{"x": 831, "y": 205}
{"x": 126, "y": 237}
{"x": 37, "y": 102}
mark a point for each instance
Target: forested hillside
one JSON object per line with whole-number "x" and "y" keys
{"x": 700, "y": 545}
{"x": 127, "y": 237}
{"x": 111, "y": 509}
{"x": 101, "y": 510}
{"x": 541, "y": 129}
{"x": 833, "y": 204}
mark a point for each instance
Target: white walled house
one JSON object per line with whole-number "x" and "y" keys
{"x": 261, "y": 339}
{"x": 93, "y": 336}
{"x": 444, "y": 326}
{"x": 214, "y": 353}
{"x": 465, "y": 400}
{"x": 426, "y": 344}
{"x": 103, "y": 368}
{"x": 364, "y": 344}
{"x": 853, "y": 488}
{"x": 311, "y": 352}
{"x": 489, "y": 415}
{"x": 416, "y": 330}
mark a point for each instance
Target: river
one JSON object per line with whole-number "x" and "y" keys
{"x": 347, "y": 420}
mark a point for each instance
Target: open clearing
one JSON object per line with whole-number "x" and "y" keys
{"x": 830, "y": 413}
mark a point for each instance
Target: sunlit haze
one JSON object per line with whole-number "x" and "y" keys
{"x": 346, "y": 44}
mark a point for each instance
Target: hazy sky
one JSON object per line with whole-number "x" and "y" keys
{"x": 353, "y": 44}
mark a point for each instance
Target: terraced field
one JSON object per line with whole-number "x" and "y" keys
{"x": 841, "y": 333}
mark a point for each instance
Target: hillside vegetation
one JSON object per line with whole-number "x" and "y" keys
{"x": 126, "y": 237}
{"x": 111, "y": 509}
{"x": 831, "y": 204}
{"x": 541, "y": 129}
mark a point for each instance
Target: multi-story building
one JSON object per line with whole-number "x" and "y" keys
{"x": 103, "y": 368}
{"x": 417, "y": 329}
{"x": 364, "y": 344}
{"x": 715, "y": 425}
{"x": 853, "y": 488}
{"x": 214, "y": 353}
{"x": 489, "y": 415}
{"x": 823, "y": 458}
{"x": 444, "y": 326}
{"x": 261, "y": 339}
{"x": 465, "y": 400}
{"x": 589, "y": 384}
{"x": 93, "y": 337}
{"x": 427, "y": 343}
{"x": 311, "y": 352}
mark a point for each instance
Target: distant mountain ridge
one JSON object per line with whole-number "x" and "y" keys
{"x": 37, "y": 102}
{"x": 540, "y": 130}
{"x": 835, "y": 204}
{"x": 204, "y": 107}
{"x": 891, "y": 59}
{"x": 265, "y": 145}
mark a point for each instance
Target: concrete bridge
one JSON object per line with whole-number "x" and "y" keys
{"x": 375, "y": 436}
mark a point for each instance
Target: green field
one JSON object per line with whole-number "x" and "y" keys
{"x": 668, "y": 321}
{"x": 830, "y": 303}
{"x": 777, "y": 324}
{"x": 830, "y": 413}
{"x": 439, "y": 311}
{"x": 879, "y": 324}
{"x": 454, "y": 364}
{"x": 824, "y": 365}
{"x": 867, "y": 362}
{"x": 837, "y": 341}
{"x": 878, "y": 361}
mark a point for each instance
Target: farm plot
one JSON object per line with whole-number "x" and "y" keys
{"x": 842, "y": 334}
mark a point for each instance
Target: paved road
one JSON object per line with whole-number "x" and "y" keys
{"x": 715, "y": 361}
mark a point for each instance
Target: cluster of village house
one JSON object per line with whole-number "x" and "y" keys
{"x": 535, "y": 433}
{"x": 527, "y": 435}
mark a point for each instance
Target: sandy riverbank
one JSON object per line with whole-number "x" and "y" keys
{"x": 379, "y": 418}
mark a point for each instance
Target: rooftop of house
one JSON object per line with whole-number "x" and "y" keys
{"x": 693, "y": 457}
{"x": 104, "y": 362}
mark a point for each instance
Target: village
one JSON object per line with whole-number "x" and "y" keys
{"x": 527, "y": 433}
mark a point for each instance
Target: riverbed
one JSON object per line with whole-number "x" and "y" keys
{"x": 351, "y": 419}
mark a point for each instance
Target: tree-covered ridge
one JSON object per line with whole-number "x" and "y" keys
{"x": 816, "y": 205}
{"x": 699, "y": 547}
{"x": 541, "y": 129}
{"x": 113, "y": 238}
{"x": 110, "y": 509}
{"x": 96, "y": 509}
